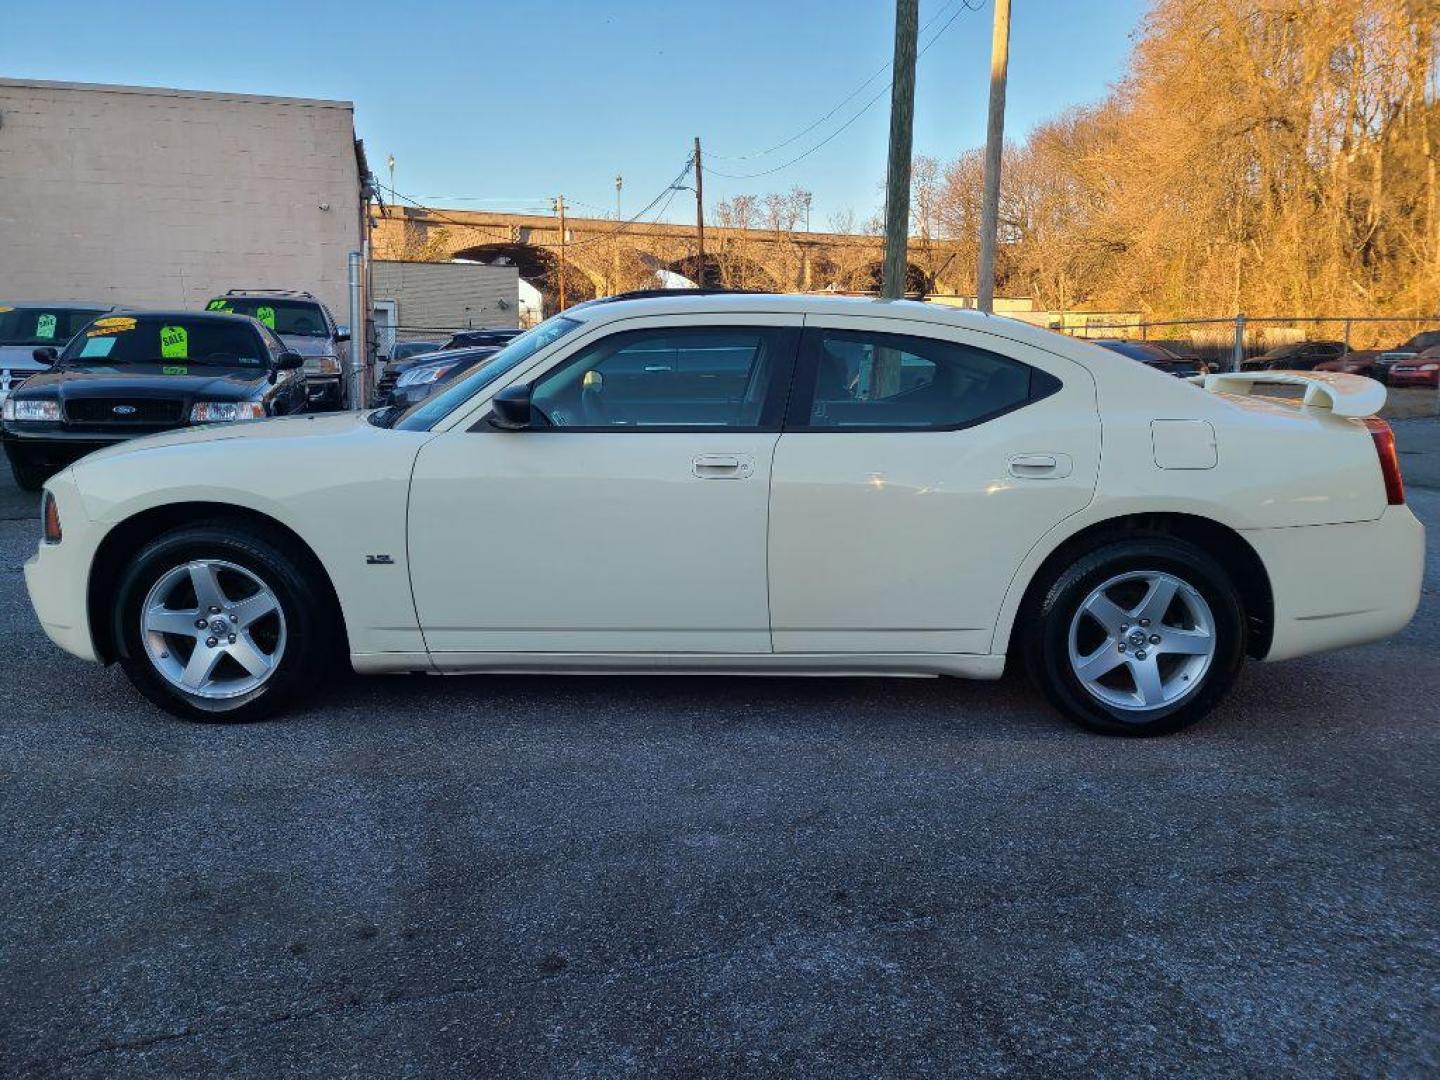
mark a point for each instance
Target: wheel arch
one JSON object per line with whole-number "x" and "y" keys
{"x": 126, "y": 537}
{"x": 1227, "y": 545}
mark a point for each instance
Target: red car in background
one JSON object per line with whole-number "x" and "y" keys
{"x": 1422, "y": 370}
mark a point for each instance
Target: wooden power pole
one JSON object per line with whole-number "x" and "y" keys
{"x": 560, "y": 209}
{"x": 699, "y": 217}
{"x": 897, "y": 172}
{"x": 994, "y": 145}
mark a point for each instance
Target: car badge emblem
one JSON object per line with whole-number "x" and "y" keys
{"x": 124, "y": 410}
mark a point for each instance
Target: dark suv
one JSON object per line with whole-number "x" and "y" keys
{"x": 306, "y": 326}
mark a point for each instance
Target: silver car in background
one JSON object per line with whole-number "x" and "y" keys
{"x": 37, "y": 324}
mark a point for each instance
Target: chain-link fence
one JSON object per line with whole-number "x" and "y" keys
{"x": 1384, "y": 347}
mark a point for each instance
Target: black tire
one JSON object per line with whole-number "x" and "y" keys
{"x": 29, "y": 477}
{"x": 311, "y": 626}
{"x": 1048, "y": 625}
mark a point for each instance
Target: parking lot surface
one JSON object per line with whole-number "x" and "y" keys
{"x": 590, "y": 876}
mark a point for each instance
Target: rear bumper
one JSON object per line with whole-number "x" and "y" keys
{"x": 1413, "y": 378}
{"x": 1339, "y": 585}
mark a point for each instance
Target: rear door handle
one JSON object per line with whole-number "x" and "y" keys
{"x": 722, "y": 466}
{"x": 1040, "y": 466}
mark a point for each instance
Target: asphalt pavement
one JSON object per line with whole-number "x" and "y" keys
{"x": 702, "y": 876}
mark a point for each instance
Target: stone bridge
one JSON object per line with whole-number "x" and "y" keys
{"x": 598, "y": 259}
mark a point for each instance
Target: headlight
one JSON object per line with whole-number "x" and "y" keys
{"x": 423, "y": 375}
{"x": 327, "y": 365}
{"x": 30, "y": 412}
{"x": 1430, "y": 367}
{"x": 225, "y": 412}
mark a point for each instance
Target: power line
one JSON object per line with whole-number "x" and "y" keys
{"x": 965, "y": 5}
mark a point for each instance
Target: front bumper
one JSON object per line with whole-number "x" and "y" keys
{"x": 57, "y": 576}
{"x": 323, "y": 390}
{"x": 1329, "y": 587}
{"x": 54, "y": 449}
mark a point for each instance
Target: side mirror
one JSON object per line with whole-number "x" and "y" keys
{"x": 342, "y": 333}
{"x": 289, "y": 361}
{"x": 46, "y": 354}
{"x": 511, "y": 409}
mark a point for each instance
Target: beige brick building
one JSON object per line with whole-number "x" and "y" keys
{"x": 161, "y": 197}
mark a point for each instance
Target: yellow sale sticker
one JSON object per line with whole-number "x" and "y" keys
{"x": 174, "y": 343}
{"x": 6, "y": 307}
{"x": 266, "y": 315}
{"x": 115, "y": 324}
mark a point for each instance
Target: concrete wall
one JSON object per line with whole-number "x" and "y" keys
{"x": 168, "y": 197}
{"x": 451, "y": 296}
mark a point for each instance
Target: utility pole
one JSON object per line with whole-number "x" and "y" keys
{"x": 994, "y": 145}
{"x": 615, "y": 254}
{"x": 391, "y": 162}
{"x": 560, "y": 209}
{"x": 699, "y": 218}
{"x": 897, "y": 173}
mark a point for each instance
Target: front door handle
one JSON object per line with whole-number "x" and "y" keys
{"x": 1040, "y": 466}
{"x": 722, "y": 466}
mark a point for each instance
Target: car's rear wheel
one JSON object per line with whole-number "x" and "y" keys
{"x": 218, "y": 621}
{"x": 1137, "y": 636}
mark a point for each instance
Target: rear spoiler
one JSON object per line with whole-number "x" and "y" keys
{"x": 1342, "y": 394}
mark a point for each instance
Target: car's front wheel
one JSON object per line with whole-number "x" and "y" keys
{"x": 218, "y": 621}
{"x": 1138, "y": 636}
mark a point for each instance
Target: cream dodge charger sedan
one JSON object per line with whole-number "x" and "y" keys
{"x": 751, "y": 484}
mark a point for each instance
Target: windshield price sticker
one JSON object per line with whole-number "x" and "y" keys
{"x": 97, "y": 347}
{"x": 116, "y": 324}
{"x": 174, "y": 343}
{"x": 266, "y": 315}
{"x": 174, "y": 369}
{"x": 219, "y": 305}
{"x": 45, "y": 326}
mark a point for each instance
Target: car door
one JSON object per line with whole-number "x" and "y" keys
{"x": 632, "y": 518}
{"x": 918, "y": 465}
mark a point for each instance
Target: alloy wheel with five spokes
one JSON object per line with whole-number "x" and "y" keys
{"x": 213, "y": 629}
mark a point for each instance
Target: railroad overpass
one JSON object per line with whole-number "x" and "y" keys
{"x": 600, "y": 258}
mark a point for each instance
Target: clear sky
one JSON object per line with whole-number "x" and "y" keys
{"x": 497, "y": 105}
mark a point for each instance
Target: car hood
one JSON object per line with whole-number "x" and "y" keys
{"x": 20, "y": 358}
{"x": 308, "y": 346}
{"x": 147, "y": 380}
{"x": 285, "y": 427}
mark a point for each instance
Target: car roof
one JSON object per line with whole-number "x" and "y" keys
{"x": 180, "y": 313}
{"x": 86, "y": 305}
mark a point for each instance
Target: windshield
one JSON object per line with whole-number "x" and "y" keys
{"x": 41, "y": 325}
{"x": 425, "y": 414}
{"x": 1423, "y": 340}
{"x": 303, "y": 318}
{"x": 174, "y": 341}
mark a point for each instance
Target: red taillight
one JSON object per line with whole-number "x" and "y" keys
{"x": 1389, "y": 460}
{"x": 50, "y": 514}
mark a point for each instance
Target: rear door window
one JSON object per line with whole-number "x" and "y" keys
{"x": 862, "y": 380}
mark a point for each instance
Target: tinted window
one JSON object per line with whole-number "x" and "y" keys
{"x": 41, "y": 326}
{"x": 168, "y": 340}
{"x": 692, "y": 378}
{"x": 867, "y": 380}
{"x": 303, "y": 318}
